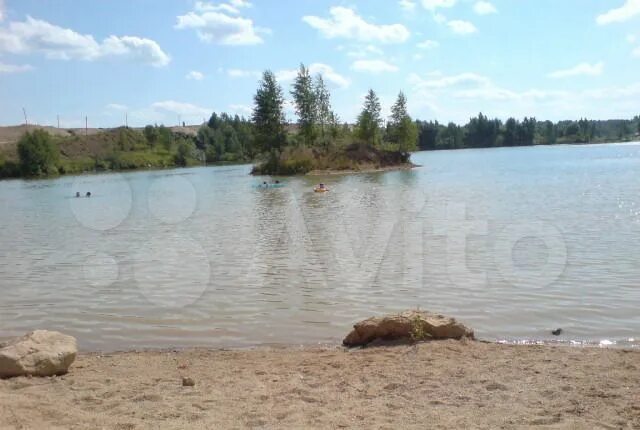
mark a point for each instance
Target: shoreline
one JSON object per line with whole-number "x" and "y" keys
{"x": 332, "y": 172}
{"x": 448, "y": 384}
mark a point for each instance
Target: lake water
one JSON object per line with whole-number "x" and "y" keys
{"x": 513, "y": 241}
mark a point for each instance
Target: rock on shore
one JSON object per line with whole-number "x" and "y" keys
{"x": 39, "y": 353}
{"x": 409, "y": 325}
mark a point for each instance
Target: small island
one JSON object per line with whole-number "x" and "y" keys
{"x": 318, "y": 142}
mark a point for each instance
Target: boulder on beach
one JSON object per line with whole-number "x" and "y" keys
{"x": 407, "y": 326}
{"x": 39, "y": 353}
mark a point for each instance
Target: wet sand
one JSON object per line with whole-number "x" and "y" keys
{"x": 444, "y": 385}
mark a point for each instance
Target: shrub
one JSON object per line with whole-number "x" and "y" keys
{"x": 38, "y": 154}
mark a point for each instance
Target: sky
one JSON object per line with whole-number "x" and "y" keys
{"x": 167, "y": 61}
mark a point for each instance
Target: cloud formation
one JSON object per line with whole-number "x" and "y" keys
{"x": 38, "y": 36}
{"x": 222, "y": 24}
{"x": 628, "y": 10}
{"x": 194, "y": 75}
{"x": 484, "y": 8}
{"x": 346, "y": 23}
{"x": 582, "y": 69}
{"x": 461, "y": 27}
{"x": 327, "y": 72}
{"x": 373, "y": 66}
{"x": 181, "y": 108}
{"x": 14, "y": 68}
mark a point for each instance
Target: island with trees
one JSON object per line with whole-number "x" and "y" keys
{"x": 318, "y": 141}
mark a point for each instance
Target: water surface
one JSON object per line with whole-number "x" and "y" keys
{"x": 513, "y": 241}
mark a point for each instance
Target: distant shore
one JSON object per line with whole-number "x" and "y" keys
{"x": 448, "y": 384}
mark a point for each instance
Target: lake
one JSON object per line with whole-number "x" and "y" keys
{"x": 515, "y": 242}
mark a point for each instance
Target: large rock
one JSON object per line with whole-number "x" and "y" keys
{"x": 409, "y": 325}
{"x": 39, "y": 353}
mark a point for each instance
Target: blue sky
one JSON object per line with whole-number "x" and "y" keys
{"x": 160, "y": 60}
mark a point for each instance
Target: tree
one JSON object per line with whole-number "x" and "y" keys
{"x": 369, "y": 120}
{"x": 510, "y": 134}
{"x": 268, "y": 116}
{"x": 304, "y": 98}
{"x": 325, "y": 117}
{"x": 38, "y": 154}
{"x": 402, "y": 130}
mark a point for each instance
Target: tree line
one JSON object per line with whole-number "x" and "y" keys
{"x": 482, "y": 132}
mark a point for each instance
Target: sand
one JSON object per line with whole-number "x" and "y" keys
{"x": 446, "y": 385}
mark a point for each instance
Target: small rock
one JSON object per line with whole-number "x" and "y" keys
{"x": 557, "y": 332}
{"x": 188, "y": 382}
{"x": 39, "y": 353}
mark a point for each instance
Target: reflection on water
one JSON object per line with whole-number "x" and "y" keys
{"x": 515, "y": 242}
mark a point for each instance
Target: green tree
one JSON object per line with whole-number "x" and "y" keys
{"x": 38, "y": 154}
{"x": 369, "y": 120}
{"x": 325, "y": 117}
{"x": 304, "y": 98}
{"x": 402, "y": 130}
{"x": 268, "y": 116}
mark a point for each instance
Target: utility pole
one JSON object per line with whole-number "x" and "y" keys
{"x": 24, "y": 111}
{"x": 86, "y": 126}
{"x": 58, "y": 116}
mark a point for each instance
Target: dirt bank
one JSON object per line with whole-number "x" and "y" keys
{"x": 444, "y": 385}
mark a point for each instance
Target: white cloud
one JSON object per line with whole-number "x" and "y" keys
{"x": 636, "y": 52}
{"x": 436, "y": 80}
{"x": 221, "y": 24}
{"x": 484, "y": 8}
{"x": 407, "y": 5}
{"x": 462, "y": 27}
{"x": 135, "y": 48}
{"x": 34, "y": 35}
{"x": 181, "y": 108}
{"x": 582, "y": 69}
{"x": 628, "y": 10}
{"x": 458, "y": 97}
{"x": 1, "y": 10}
{"x": 435, "y": 4}
{"x": 14, "y": 68}
{"x": 117, "y": 106}
{"x": 195, "y": 75}
{"x": 363, "y": 51}
{"x": 239, "y": 73}
{"x": 325, "y": 70}
{"x": 428, "y": 44}
{"x": 373, "y": 66}
{"x": 345, "y": 23}
{"x": 632, "y": 38}
{"x": 240, "y": 109}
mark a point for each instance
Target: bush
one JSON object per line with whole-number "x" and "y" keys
{"x": 38, "y": 153}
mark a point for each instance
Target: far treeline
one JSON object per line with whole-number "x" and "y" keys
{"x": 317, "y": 141}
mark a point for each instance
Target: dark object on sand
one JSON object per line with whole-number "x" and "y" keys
{"x": 557, "y": 332}
{"x": 188, "y": 382}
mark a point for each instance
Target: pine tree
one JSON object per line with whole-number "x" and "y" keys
{"x": 369, "y": 120}
{"x": 402, "y": 130}
{"x": 325, "y": 117}
{"x": 304, "y": 99}
{"x": 268, "y": 115}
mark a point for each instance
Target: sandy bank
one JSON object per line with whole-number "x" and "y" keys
{"x": 446, "y": 384}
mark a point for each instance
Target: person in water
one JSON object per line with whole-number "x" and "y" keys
{"x": 77, "y": 193}
{"x": 88, "y": 193}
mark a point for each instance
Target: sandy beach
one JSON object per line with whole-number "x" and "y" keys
{"x": 448, "y": 384}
